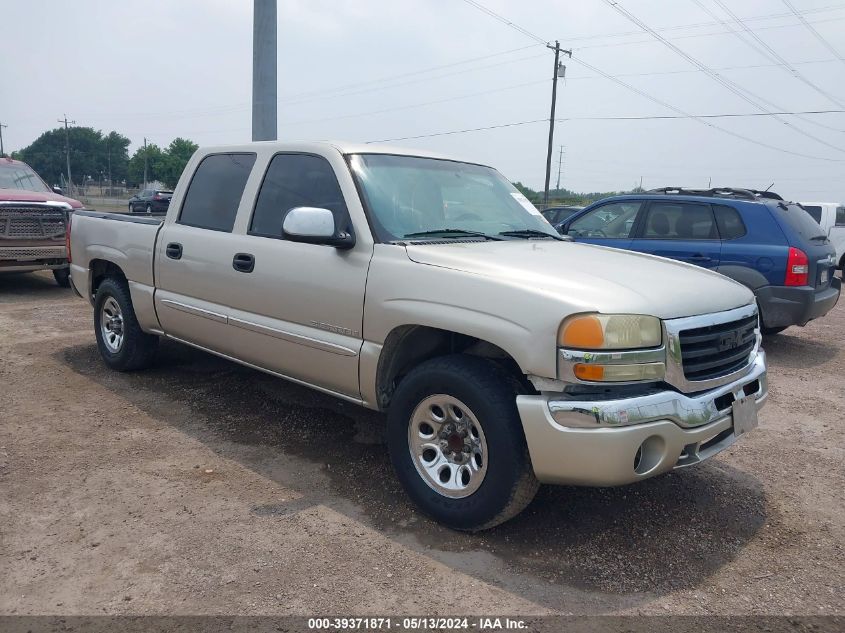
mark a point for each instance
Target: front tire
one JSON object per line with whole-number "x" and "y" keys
{"x": 456, "y": 441}
{"x": 149, "y": 208}
{"x": 123, "y": 345}
{"x": 771, "y": 331}
{"x": 62, "y": 277}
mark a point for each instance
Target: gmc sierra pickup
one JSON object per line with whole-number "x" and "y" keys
{"x": 429, "y": 288}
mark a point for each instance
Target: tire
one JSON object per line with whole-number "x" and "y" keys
{"x": 62, "y": 277}
{"x": 499, "y": 482}
{"x": 120, "y": 340}
{"x": 149, "y": 208}
{"x": 131, "y": 209}
{"x": 771, "y": 331}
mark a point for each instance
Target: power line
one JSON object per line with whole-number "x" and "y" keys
{"x": 654, "y": 117}
{"x": 812, "y": 30}
{"x": 742, "y": 93}
{"x": 653, "y": 98}
{"x": 777, "y": 56}
{"x": 505, "y": 21}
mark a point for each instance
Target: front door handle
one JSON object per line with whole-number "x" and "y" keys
{"x": 700, "y": 257}
{"x": 243, "y": 262}
{"x": 174, "y": 250}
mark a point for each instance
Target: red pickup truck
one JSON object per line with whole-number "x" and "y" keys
{"x": 33, "y": 221}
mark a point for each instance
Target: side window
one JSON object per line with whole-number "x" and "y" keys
{"x": 615, "y": 219}
{"x": 729, "y": 222}
{"x": 679, "y": 221}
{"x": 840, "y": 216}
{"x": 214, "y": 194}
{"x": 296, "y": 180}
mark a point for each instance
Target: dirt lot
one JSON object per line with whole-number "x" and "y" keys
{"x": 202, "y": 487}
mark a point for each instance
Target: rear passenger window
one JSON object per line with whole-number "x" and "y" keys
{"x": 840, "y": 216}
{"x": 729, "y": 221}
{"x": 296, "y": 180}
{"x": 679, "y": 221}
{"x": 215, "y": 191}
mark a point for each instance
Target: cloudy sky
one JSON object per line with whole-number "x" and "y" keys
{"x": 396, "y": 69}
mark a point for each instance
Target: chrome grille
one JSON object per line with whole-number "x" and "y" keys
{"x": 31, "y": 222}
{"x": 22, "y": 254}
{"x": 717, "y": 350}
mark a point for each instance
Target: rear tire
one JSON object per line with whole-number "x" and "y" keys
{"x": 123, "y": 345}
{"x": 62, "y": 277}
{"x": 456, "y": 441}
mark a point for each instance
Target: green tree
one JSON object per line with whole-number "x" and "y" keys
{"x": 176, "y": 156}
{"x": 89, "y": 154}
{"x": 155, "y": 165}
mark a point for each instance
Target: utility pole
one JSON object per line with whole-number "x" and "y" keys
{"x": 559, "y": 167}
{"x": 2, "y": 153}
{"x": 264, "y": 62}
{"x": 145, "y": 162}
{"x": 560, "y": 69}
{"x": 108, "y": 144}
{"x": 67, "y": 153}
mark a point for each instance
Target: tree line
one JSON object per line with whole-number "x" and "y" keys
{"x": 565, "y": 197}
{"x": 96, "y": 155}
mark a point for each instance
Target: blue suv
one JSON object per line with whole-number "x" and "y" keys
{"x": 755, "y": 237}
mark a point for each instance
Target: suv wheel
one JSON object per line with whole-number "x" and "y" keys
{"x": 122, "y": 343}
{"x": 456, "y": 442}
{"x": 149, "y": 208}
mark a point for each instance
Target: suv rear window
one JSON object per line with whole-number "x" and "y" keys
{"x": 791, "y": 216}
{"x": 214, "y": 194}
{"x": 815, "y": 212}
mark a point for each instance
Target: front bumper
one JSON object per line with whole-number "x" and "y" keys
{"x": 781, "y": 306}
{"x": 615, "y": 442}
{"x": 32, "y": 257}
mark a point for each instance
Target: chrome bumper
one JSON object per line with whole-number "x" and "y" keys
{"x": 614, "y": 442}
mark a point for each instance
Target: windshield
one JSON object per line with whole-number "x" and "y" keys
{"x": 18, "y": 176}
{"x": 409, "y": 196}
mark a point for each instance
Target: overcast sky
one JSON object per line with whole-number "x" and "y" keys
{"x": 387, "y": 69}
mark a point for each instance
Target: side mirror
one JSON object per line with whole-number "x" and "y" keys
{"x": 563, "y": 228}
{"x": 315, "y": 226}
{"x": 59, "y": 191}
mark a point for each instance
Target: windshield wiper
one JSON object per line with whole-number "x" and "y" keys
{"x": 446, "y": 233}
{"x": 530, "y": 233}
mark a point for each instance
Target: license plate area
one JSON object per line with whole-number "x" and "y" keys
{"x": 825, "y": 276}
{"x": 744, "y": 415}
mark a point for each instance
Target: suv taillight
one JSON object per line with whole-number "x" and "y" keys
{"x": 67, "y": 236}
{"x": 797, "y": 268}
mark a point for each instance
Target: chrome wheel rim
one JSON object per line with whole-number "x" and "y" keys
{"x": 448, "y": 446}
{"x": 111, "y": 324}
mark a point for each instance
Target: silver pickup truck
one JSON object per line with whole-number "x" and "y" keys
{"x": 429, "y": 288}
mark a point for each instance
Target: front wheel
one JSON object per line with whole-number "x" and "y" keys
{"x": 123, "y": 345}
{"x": 149, "y": 209}
{"x": 455, "y": 439}
{"x": 62, "y": 277}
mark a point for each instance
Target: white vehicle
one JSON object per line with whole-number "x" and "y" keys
{"x": 503, "y": 354}
{"x": 831, "y": 217}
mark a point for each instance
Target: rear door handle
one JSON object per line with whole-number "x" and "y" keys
{"x": 700, "y": 257}
{"x": 174, "y": 250}
{"x": 243, "y": 262}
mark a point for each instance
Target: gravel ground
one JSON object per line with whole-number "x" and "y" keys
{"x": 203, "y": 487}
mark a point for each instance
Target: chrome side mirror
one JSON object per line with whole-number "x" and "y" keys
{"x": 315, "y": 226}
{"x": 58, "y": 190}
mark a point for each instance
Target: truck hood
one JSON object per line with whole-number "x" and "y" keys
{"x": 596, "y": 278}
{"x": 22, "y": 195}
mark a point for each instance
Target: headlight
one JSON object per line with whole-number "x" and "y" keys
{"x": 610, "y": 331}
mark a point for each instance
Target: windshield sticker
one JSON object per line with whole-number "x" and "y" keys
{"x": 526, "y": 203}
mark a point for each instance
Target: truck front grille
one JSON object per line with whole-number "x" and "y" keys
{"x": 717, "y": 350}
{"x": 24, "y": 223}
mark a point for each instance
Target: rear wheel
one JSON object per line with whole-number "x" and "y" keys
{"x": 131, "y": 210}
{"x": 62, "y": 277}
{"x": 122, "y": 343}
{"x": 456, "y": 442}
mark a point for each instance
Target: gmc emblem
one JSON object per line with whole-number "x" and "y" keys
{"x": 729, "y": 341}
